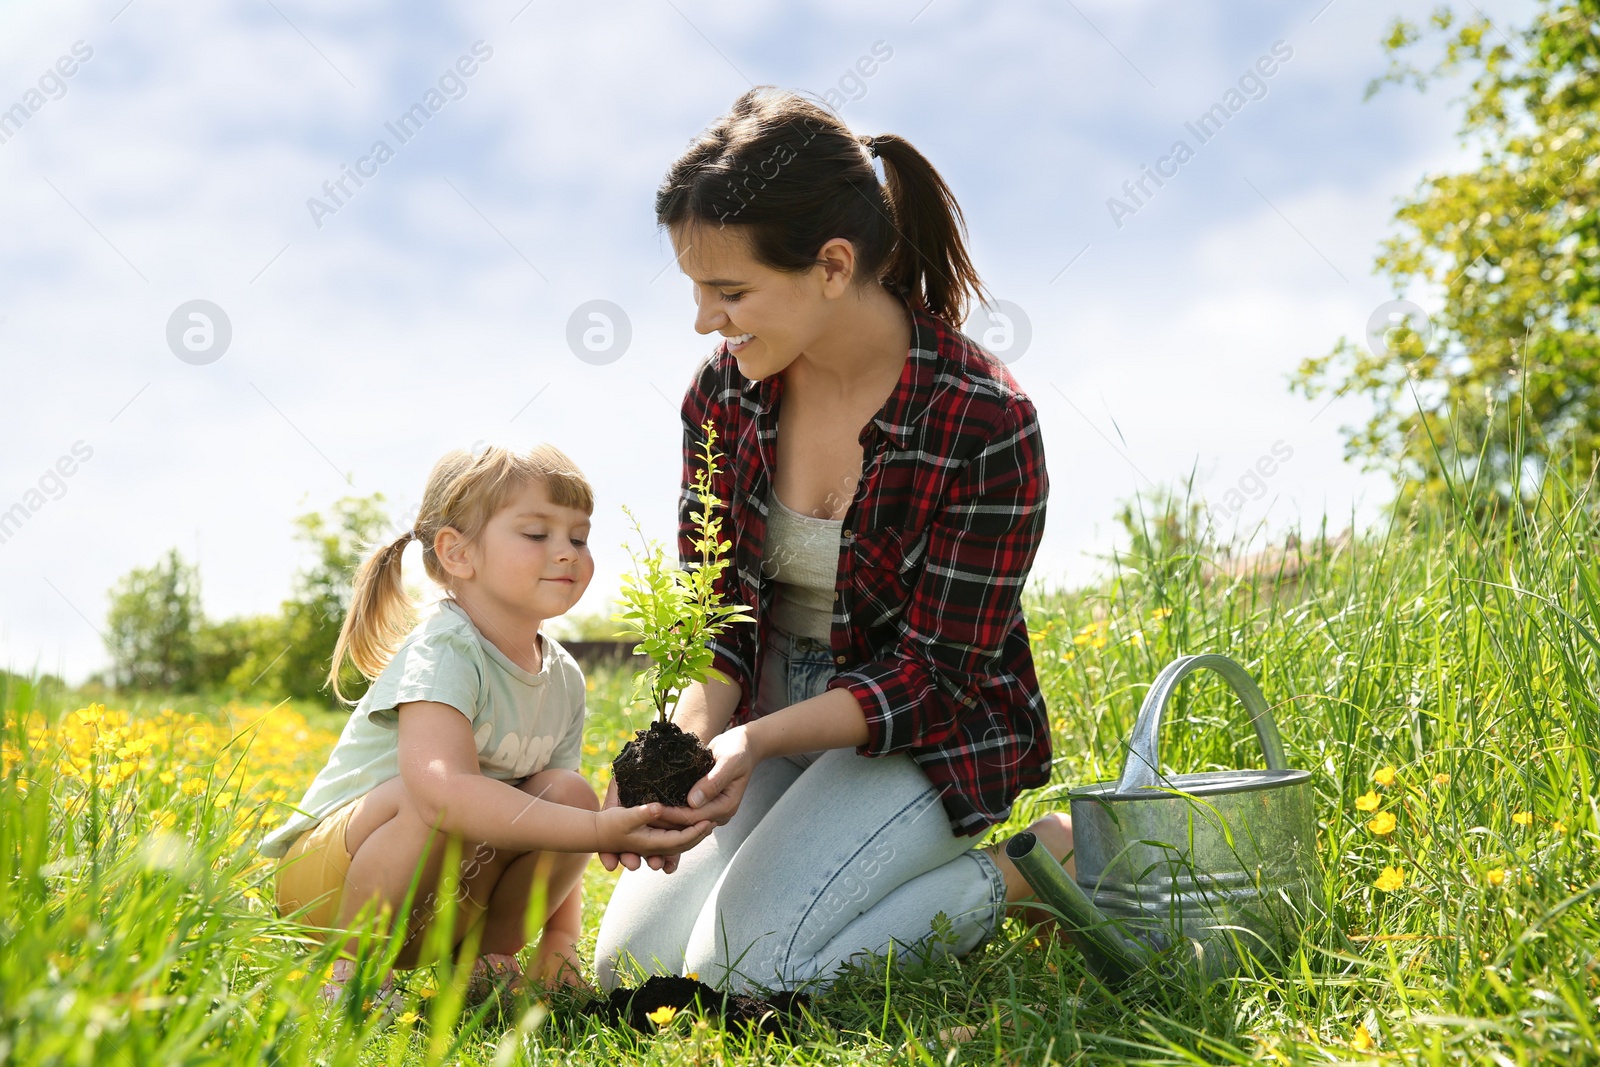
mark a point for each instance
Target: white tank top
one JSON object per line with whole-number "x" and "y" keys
{"x": 802, "y": 556}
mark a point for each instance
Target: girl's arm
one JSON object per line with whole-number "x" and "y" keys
{"x": 439, "y": 766}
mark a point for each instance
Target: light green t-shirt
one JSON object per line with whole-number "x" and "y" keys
{"x": 522, "y": 722}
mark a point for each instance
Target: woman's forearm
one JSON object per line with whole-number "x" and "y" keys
{"x": 829, "y": 720}
{"x": 705, "y": 707}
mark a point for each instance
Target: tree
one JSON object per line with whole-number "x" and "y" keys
{"x": 291, "y": 658}
{"x": 226, "y": 649}
{"x": 159, "y": 638}
{"x": 1506, "y": 380}
{"x": 152, "y": 626}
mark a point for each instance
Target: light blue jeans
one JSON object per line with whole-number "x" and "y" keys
{"x": 830, "y": 856}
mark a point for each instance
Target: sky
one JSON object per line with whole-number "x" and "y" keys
{"x": 162, "y": 162}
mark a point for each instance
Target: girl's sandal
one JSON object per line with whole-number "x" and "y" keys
{"x": 493, "y": 973}
{"x": 386, "y": 1001}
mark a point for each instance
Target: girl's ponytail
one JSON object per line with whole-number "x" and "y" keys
{"x": 381, "y": 614}
{"x": 929, "y": 260}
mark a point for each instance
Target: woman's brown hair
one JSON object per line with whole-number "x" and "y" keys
{"x": 795, "y": 177}
{"x": 464, "y": 491}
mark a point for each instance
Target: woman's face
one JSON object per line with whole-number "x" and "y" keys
{"x": 773, "y": 315}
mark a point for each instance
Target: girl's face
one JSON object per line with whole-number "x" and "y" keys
{"x": 532, "y": 557}
{"x": 772, "y": 315}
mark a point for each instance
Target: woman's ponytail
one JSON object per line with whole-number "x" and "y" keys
{"x": 929, "y": 260}
{"x": 381, "y": 614}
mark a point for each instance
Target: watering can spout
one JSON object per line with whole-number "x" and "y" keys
{"x": 1110, "y": 952}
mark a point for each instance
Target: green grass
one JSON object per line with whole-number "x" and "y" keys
{"x": 1441, "y": 647}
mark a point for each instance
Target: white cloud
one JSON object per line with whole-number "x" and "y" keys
{"x": 408, "y": 324}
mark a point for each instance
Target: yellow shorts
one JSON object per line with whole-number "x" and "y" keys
{"x": 313, "y": 872}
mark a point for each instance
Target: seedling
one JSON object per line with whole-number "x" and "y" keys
{"x": 674, "y": 614}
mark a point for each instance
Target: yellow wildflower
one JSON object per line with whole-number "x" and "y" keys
{"x": 1441, "y": 779}
{"x": 1361, "y": 1040}
{"x": 693, "y": 976}
{"x": 1368, "y": 801}
{"x": 1384, "y": 776}
{"x": 1160, "y": 613}
{"x": 135, "y": 748}
{"x": 1523, "y": 818}
{"x": 1496, "y": 875}
{"x": 407, "y": 1018}
{"x": 1391, "y": 879}
{"x": 167, "y": 777}
{"x": 193, "y": 787}
{"x": 662, "y": 1015}
{"x": 1382, "y": 823}
{"x": 1559, "y": 827}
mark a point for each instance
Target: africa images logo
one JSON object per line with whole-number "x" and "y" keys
{"x": 1252, "y": 85}
{"x": 452, "y": 85}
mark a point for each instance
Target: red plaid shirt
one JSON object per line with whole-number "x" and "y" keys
{"x": 928, "y": 630}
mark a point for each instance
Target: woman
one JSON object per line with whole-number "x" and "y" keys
{"x": 886, "y": 489}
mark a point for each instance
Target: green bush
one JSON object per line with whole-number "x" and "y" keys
{"x": 160, "y": 639}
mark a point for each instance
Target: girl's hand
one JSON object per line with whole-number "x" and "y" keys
{"x": 632, "y": 860}
{"x": 662, "y": 861}
{"x": 625, "y": 831}
{"x": 716, "y": 796}
{"x": 609, "y": 860}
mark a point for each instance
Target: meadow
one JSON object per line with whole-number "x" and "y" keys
{"x": 1437, "y": 677}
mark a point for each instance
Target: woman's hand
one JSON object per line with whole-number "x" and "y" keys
{"x": 716, "y": 796}
{"x": 631, "y": 832}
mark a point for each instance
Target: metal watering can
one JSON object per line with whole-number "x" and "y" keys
{"x": 1187, "y": 872}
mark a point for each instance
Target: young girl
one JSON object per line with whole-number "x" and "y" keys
{"x": 471, "y": 730}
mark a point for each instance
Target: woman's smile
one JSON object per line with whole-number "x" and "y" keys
{"x": 737, "y": 344}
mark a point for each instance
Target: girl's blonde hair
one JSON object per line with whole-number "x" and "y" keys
{"x": 465, "y": 489}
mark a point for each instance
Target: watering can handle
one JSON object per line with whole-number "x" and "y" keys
{"x": 1140, "y": 766}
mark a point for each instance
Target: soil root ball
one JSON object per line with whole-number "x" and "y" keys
{"x": 659, "y": 766}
